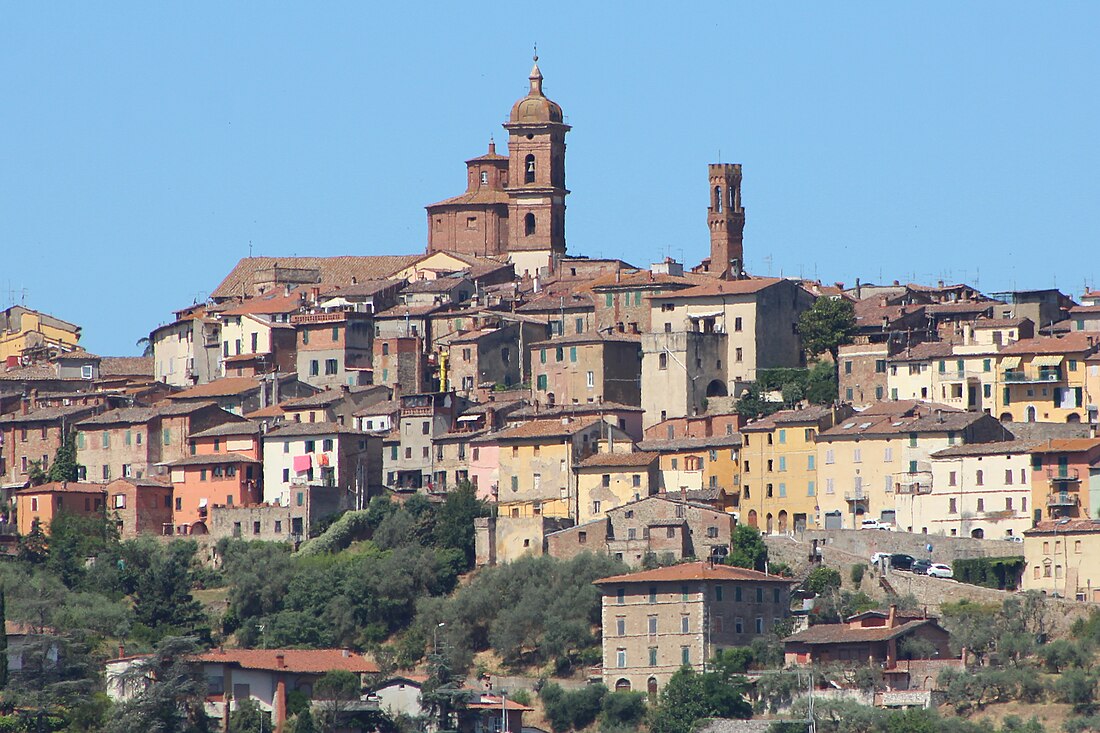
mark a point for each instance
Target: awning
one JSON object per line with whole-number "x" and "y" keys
{"x": 469, "y": 418}
{"x": 1011, "y": 362}
{"x": 708, "y": 314}
{"x": 202, "y": 503}
{"x": 1049, "y": 360}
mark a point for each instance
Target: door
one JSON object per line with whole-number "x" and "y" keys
{"x": 833, "y": 520}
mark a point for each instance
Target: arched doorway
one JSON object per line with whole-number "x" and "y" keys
{"x": 623, "y": 685}
{"x": 651, "y": 688}
{"x": 198, "y": 528}
{"x": 752, "y": 518}
{"x": 717, "y": 388}
{"x": 978, "y": 534}
{"x": 783, "y": 522}
{"x": 768, "y": 524}
{"x": 1006, "y": 417}
{"x": 1073, "y": 417}
{"x": 1032, "y": 414}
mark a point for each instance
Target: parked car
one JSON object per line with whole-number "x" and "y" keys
{"x": 1013, "y": 538}
{"x": 901, "y": 561}
{"x": 920, "y": 567}
{"x": 875, "y": 524}
{"x": 939, "y": 570}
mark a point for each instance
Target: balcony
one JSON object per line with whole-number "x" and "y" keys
{"x": 914, "y": 487}
{"x": 1043, "y": 376}
{"x": 1063, "y": 475}
{"x": 1063, "y": 499}
{"x": 856, "y": 496}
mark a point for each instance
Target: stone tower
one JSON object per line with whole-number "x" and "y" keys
{"x": 536, "y": 176}
{"x": 726, "y": 220}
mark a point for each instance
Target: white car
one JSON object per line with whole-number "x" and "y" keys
{"x": 939, "y": 570}
{"x": 1013, "y": 538}
{"x": 875, "y": 524}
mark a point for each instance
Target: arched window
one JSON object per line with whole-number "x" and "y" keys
{"x": 623, "y": 685}
{"x": 529, "y": 169}
{"x": 718, "y": 199}
{"x": 732, "y": 204}
{"x": 528, "y": 224}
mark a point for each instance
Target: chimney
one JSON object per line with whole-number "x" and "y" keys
{"x": 859, "y": 289}
{"x": 618, "y": 276}
{"x": 121, "y": 651}
{"x": 26, "y": 404}
{"x": 346, "y": 653}
{"x": 684, "y": 494}
{"x": 565, "y": 420}
{"x": 892, "y": 616}
{"x": 396, "y": 390}
{"x": 939, "y": 284}
{"x": 286, "y": 289}
{"x": 896, "y": 283}
{"x": 1092, "y": 430}
{"x": 315, "y": 294}
{"x": 280, "y": 661}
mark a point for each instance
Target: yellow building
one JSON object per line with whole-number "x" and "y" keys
{"x": 779, "y": 485}
{"x": 1063, "y": 557}
{"x": 1045, "y": 379}
{"x": 537, "y": 462}
{"x": 26, "y": 332}
{"x": 608, "y": 480}
{"x": 695, "y": 464}
{"x": 866, "y": 459}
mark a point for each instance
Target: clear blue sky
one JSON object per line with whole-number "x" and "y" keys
{"x": 144, "y": 145}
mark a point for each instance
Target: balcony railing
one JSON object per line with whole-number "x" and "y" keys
{"x": 855, "y": 496}
{"x": 913, "y": 487}
{"x": 1063, "y": 498}
{"x": 1060, "y": 475}
{"x": 1019, "y": 377}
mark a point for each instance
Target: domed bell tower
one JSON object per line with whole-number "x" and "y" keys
{"x": 536, "y": 172}
{"x": 726, "y": 220}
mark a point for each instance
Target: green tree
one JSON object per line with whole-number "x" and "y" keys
{"x": 64, "y": 466}
{"x": 622, "y": 709}
{"x": 303, "y": 723}
{"x": 33, "y": 547}
{"x": 35, "y": 475}
{"x": 334, "y": 693}
{"x": 751, "y": 403}
{"x": 747, "y": 549}
{"x": 454, "y": 527}
{"x": 821, "y": 384}
{"x": 828, "y": 325}
{"x": 690, "y": 697}
{"x": 169, "y": 693}
{"x": 248, "y": 718}
{"x": 4, "y": 642}
{"x": 162, "y": 597}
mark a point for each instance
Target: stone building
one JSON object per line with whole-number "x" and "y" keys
{"x": 1063, "y": 558}
{"x": 513, "y": 206}
{"x": 334, "y": 349}
{"x": 664, "y": 526}
{"x": 187, "y": 351}
{"x": 35, "y": 435}
{"x": 141, "y": 506}
{"x": 657, "y": 621}
{"x": 609, "y": 479}
{"x": 586, "y": 368}
{"x": 342, "y": 459}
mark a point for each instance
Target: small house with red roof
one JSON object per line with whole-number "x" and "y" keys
{"x": 873, "y": 637}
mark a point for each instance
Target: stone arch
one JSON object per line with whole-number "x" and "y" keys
{"x": 978, "y": 533}
{"x": 651, "y": 688}
{"x": 1073, "y": 417}
{"x": 1032, "y": 414}
{"x": 198, "y": 528}
{"x": 783, "y": 521}
{"x": 752, "y": 518}
{"x": 716, "y": 388}
{"x": 622, "y": 685}
{"x": 1006, "y": 417}
{"x": 529, "y": 169}
{"x": 768, "y": 523}
{"x": 528, "y": 224}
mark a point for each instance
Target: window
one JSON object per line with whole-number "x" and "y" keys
{"x": 979, "y": 478}
{"x": 737, "y": 593}
{"x": 529, "y": 172}
{"x": 120, "y": 501}
{"x": 540, "y": 382}
{"x": 620, "y": 596}
{"x": 653, "y": 656}
{"x": 981, "y": 505}
{"x": 331, "y": 366}
{"x": 1008, "y": 504}
{"x": 314, "y": 368}
{"x": 952, "y": 479}
{"x": 620, "y": 657}
{"x": 953, "y": 507}
{"x": 739, "y": 354}
{"x": 685, "y": 624}
{"x": 620, "y": 625}
{"x": 326, "y": 444}
{"x": 811, "y": 462}
{"x": 685, "y": 655}
{"x": 529, "y": 224}
{"x": 683, "y": 593}
{"x": 653, "y": 595}
{"x": 811, "y": 489}
{"x": 662, "y": 361}
{"x": 718, "y": 593}
{"x": 591, "y": 379}
{"x": 830, "y": 457}
{"x": 760, "y": 624}
{"x": 606, "y": 480}
{"x": 760, "y": 594}
{"x": 737, "y": 323}
{"x": 573, "y": 354}
{"x": 595, "y": 506}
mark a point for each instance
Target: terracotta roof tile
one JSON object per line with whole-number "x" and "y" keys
{"x": 126, "y": 366}
{"x": 212, "y": 459}
{"x": 1069, "y": 344}
{"x": 844, "y": 634}
{"x": 693, "y": 571}
{"x": 316, "y": 661}
{"x": 224, "y": 387}
{"x": 545, "y": 429}
{"x": 295, "y": 429}
{"x": 334, "y": 270}
{"x": 615, "y": 460}
{"x": 723, "y": 287}
{"x": 68, "y": 487}
{"x": 682, "y": 444}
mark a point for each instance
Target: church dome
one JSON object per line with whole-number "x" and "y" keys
{"x": 535, "y": 107}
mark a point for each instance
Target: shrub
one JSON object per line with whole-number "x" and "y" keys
{"x": 1002, "y": 573}
{"x": 857, "y": 574}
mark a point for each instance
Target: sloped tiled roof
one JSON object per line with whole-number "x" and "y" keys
{"x": 296, "y": 429}
{"x": 661, "y": 445}
{"x": 316, "y": 661}
{"x": 224, "y": 387}
{"x": 68, "y": 487}
{"x": 1068, "y": 344}
{"x": 844, "y": 634}
{"x": 241, "y": 427}
{"x": 722, "y": 288}
{"x": 47, "y": 414}
{"x": 334, "y": 270}
{"x": 693, "y": 571}
{"x": 546, "y": 429}
{"x": 211, "y": 459}
{"x": 126, "y": 366}
{"x": 636, "y": 459}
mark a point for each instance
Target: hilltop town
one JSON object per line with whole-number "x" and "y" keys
{"x": 496, "y": 484}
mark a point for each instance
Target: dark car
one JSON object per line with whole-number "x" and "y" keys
{"x": 920, "y": 567}
{"x": 901, "y": 561}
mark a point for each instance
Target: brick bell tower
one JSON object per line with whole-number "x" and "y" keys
{"x": 726, "y": 220}
{"x": 536, "y": 172}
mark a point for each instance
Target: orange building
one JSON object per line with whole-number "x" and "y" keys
{"x": 224, "y": 468}
{"x": 48, "y": 500}
{"x": 1065, "y": 478}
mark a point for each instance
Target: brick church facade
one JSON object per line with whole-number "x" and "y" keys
{"x": 514, "y": 205}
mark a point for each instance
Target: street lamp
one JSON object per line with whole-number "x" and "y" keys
{"x": 435, "y": 636}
